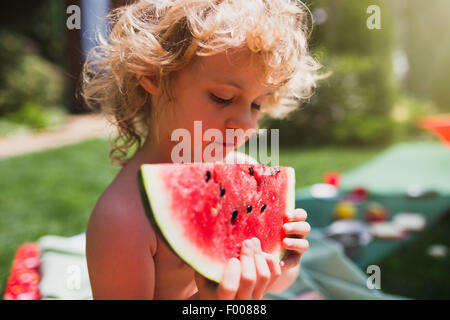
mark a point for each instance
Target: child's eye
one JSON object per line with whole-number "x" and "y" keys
{"x": 227, "y": 101}
{"x": 220, "y": 100}
{"x": 256, "y": 106}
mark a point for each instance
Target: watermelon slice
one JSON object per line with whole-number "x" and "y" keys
{"x": 204, "y": 211}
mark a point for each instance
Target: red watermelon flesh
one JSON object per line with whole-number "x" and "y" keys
{"x": 205, "y": 211}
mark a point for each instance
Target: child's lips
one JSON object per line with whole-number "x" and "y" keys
{"x": 225, "y": 144}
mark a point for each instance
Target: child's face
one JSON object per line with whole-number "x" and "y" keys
{"x": 223, "y": 92}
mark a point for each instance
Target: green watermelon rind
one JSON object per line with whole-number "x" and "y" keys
{"x": 148, "y": 210}
{"x": 151, "y": 188}
{"x": 147, "y": 206}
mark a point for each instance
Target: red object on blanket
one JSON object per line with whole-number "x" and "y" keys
{"x": 439, "y": 125}
{"x": 332, "y": 178}
{"x": 23, "y": 282}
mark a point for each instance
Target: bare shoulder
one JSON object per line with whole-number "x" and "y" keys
{"x": 119, "y": 211}
{"x": 120, "y": 245}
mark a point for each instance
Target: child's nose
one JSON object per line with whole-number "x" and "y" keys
{"x": 244, "y": 119}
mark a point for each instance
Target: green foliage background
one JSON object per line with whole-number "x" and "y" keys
{"x": 423, "y": 31}
{"x": 33, "y": 84}
{"x": 352, "y": 106}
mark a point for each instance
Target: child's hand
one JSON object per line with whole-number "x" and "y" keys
{"x": 244, "y": 279}
{"x": 251, "y": 276}
{"x": 296, "y": 230}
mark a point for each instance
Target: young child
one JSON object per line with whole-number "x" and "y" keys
{"x": 167, "y": 64}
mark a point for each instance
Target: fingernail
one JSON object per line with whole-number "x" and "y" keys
{"x": 257, "y": 244}
{"x": 247, "y": 246}
{"x": 287, "y": 227}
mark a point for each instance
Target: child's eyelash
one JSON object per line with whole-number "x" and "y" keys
{"x": 227, "y": 101}
{"x": 220, "y": 100}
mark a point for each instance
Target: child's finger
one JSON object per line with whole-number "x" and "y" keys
{"x": 297, "y": 215}
{"x": 248, "y": 272}
{"x": 262, "y": 273}
{"x": 274, "y": 267}
{"x": 298, "y": 228}
{"x": 291, "y": 259}
{"x": 298, "y": 245}
{"x": 230, "y": 281}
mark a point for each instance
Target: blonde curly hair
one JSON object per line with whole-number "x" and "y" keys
{"x": 160, "y": 37}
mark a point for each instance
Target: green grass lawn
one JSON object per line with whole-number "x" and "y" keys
{"x": 50, "y": 192}
{"x": 53, "y": 192}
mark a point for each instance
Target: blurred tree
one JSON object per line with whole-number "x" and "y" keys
{"x": 353, "y": 105}
{"x": 345, "y": 29}
{"x": 75, "y": 64}
{"x": 40, "y": 26}
{"x": 424, "y": 34}
{"x": 42, "y": 21}
{"x": 29, "y": 85}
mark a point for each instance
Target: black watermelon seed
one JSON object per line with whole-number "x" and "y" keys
{"x": 277, "y": 170}
{"x": 250, "y": 170}
{"x": 222, "y": 192}
{"x": 234, "y": 215}
{"x": 263, "y": 207}
{"x": 208, "y": 175}
{"x": 249, "y": 209}
{"x": 263, "y": 167}
{"x": 264, "y": 182}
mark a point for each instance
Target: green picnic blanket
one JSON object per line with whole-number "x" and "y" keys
{"x": 324, "y": 269}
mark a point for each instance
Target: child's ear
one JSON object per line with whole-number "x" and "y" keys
{"x": 149, "y": 83}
